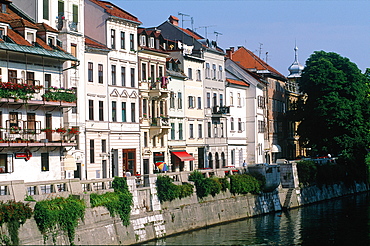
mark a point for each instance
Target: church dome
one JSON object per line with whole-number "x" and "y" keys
{"x": 296, "y": 68}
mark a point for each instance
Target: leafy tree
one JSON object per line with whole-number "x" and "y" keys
{"x": 334, "y": 118}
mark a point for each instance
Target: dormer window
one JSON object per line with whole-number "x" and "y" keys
{"x": 142, "y": 40}
{"x": 3, "y": 8}
{"x": 51, "y": 41}
{"x": 30, "y": 37}
{"x": 2, "y": 33}
{"x": 151, "y": 42}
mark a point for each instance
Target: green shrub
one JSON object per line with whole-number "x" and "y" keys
{"x": 166, "y": 190}
{"x": 225, "y": 184}
{"x": 206, "y": 186}
{"x": 260, "y": 178}
{"x": 244, "y": 183}
{"x": 14, "y": 214}
{"x": 118, "y": 202}
{"x": 307, "y": 172}
{"x": 185, "y": 190}
{"x": 59, "y": 213}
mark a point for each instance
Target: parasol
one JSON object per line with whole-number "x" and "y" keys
{"x": 162, "y": 166}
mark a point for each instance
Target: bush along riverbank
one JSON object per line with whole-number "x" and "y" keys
{"x": 130, "y": 213}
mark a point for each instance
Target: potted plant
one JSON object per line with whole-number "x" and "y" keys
{"x": 15, "y": 129}
{"x": 47, "y": 130}
{"x": 73, "y": 131}
{"x": 61, "y": 130}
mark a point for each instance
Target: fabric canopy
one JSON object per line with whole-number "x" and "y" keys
{"x": 275, "y": 148}
{"x": 184, "y": 156}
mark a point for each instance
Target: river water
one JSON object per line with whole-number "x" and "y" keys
{"x": 344, "y": 221}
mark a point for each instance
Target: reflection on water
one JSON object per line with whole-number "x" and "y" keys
{"x": 342, "y": 221}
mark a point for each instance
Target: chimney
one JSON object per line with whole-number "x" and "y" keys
{"x": 174, "y": 20}
{"x": 229, "y": 53}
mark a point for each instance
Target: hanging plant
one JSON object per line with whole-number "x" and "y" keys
{"x": 14, "y": 214}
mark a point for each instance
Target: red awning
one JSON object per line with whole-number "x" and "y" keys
{"x": 184, "y": 156}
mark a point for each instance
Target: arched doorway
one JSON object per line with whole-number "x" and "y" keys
{"x": 223, "y": 159}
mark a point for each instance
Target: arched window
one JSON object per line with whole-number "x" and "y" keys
{"x": 210, "y": 160}
{"x": 223, "y": 159}
{"x": 217, "y": 160}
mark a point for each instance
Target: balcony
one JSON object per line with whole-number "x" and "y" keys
{"x": 31, "y": 135}
{"x": 64, "y": 25}
{"x": 158, "y": 88}
{"x": 18, "y": 92}
{"x": 159, "y": 126}
{"x": 220, "y": 111}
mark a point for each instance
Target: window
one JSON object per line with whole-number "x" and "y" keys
{"x": 114, "y": 111}
{"x": 232, "y": 157}
{"x": 44, "y": 162}
{"x": 92, "y": 151}
{"x": 132, "y": 42}
{"x": 113, "y": 74}
{"x": 214, "y": 99}
{"x": 124, "y": 112}
{"x": 231, "y": 99}
{"x": 151, "y": 42}
{"x": 215, "y": 129}
{"x": 91, "y": 110}
{"x": 199, "y": 103}
{"x": 190, "y": 73}
{"x": 232, "y": 124}
{"x": 133, "y": 112}
{"x": 142, "y": 40}
{"x": 74, "y": 17}
{"x": 191, "y": 130}
{"x": 214, "y": 71}
{"x": 172, "y": 131}
{"x": 3, "y": 8}
{"x": 261, "y": 102}
{"x": 222, "y": 130}
{"x": 123, "y": 76}
{"x": 208, "y": 71}
{"x": 51, "y": 41}
{"x": 100, "y": 74}
{"x": 162, "y": 141}
{"x": 145, "y": 139}
{"x": 90, "y": 72}
{"x": 132, "y": 75}
{"x": 180, "y": 131}
{"x": 261, "y": 126}
{"x": 199, "y": 77}
{"x": 208, "y": 100}
{"x": 152, "y": 73}
{"x": 239, "y": 125}
{"x": 191, "y": 101}
{"x": 113, "y": 38}
{"x": 172, "y": 99}
{"x": 239, "y": 100}
{"x": 104, "y": 146}
{"x": 145, "y": 108}
{"x": 209, "y": 125}
{"x": 179, "y": 100}
{"x": 200, "y": 131}
{"x": 154, "y": 139}
{"x": 2, "y": 33}
{"x": 221, "y": 100}
{"x": 143, "y": 71}
{"x": 6, "y": 165}
{"x": 220, "y": 72}
{"x": 123, "y": 40}
{"x": 160, "y": 72}
{"x": 45, "y": 9}
{"x": 101, "y": 111}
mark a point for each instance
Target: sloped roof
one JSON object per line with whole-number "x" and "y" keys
{"x": 20, "y": 22}
{"x": 95, "y": 44}
{"x": 248, "y": 60}
{"x": 43, "y": 27}
{"x": 17, "y": 38}
{"x": 113, "y": 10}
{"x": 237, "y": 82}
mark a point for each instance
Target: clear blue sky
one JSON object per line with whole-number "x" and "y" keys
{"x": 339, "y": 26}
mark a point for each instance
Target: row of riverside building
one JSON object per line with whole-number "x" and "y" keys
{"x": 87, "y": 92}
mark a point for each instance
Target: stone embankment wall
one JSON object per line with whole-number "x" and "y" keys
{"x": 151, "y": 219}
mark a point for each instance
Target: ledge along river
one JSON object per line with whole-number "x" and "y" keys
{"x": 343, "y": 221}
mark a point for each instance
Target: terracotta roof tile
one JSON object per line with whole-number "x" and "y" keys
{"x": 247, "y": 59}
{"x": 174, "y": 17}
{"x": 113, "y": 10}
{"x": 22, "y": 23}
{"x": 41, "y": 42}
{"x": 191, "y": 33}
{"x": 95, "y": 44}
{"x": 17, "y": 38}
{"x": 43, "y": 27}
{"x": 237, "y": 82}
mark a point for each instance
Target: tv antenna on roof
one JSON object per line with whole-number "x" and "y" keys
{"x": 205, "y": 27}
{"x": 260, "y": 50}
{"x": 217, "y": 33}
{"x": 182, "y": 20}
